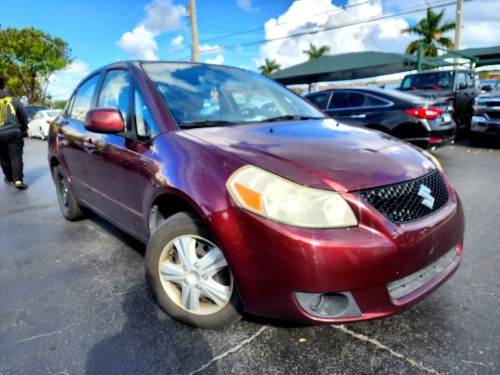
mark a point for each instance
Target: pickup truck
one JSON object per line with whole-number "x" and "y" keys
{"x": 486, "y": 119}
{"x": 459, "y": 86}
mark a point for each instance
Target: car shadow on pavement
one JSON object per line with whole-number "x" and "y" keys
{"x": 150, "y": 342}
{"x": 464, "y": 139}
{"x": 33, "y": 174}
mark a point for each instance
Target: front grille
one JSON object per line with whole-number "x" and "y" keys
{"x": 401, "y": 203}
{"x": 494, "y": 115}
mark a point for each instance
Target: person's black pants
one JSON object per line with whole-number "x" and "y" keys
{"x": 11, "y": 155}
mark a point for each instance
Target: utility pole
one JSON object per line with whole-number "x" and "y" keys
{"x": 191, "y": 13}
{"x": 458, "y": 27}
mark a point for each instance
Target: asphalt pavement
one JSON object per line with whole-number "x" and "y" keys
{"x": 73, "y": 299}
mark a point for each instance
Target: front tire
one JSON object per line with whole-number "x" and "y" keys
{"x": 189, "y": 274}
{"x": 65, "y": 196}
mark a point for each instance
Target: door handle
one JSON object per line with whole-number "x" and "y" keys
{"x": 89, "y": 145}
{"x": 358, "y": 116}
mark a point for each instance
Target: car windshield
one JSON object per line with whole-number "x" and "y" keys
{"x": 31, "y": 110}
{"x": 434, "y": 80}
{"x": 211, "y": 95}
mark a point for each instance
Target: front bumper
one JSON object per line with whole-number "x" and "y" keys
{"x": 485, "y": 125}
{"x": 286, "y": 272}
{"x": 435, "y": 138}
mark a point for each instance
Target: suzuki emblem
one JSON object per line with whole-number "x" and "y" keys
{"x": 425, "y": 193}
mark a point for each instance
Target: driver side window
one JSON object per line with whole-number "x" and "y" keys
{"x": 115, "y": 93}
{"x": 460, "y": 79}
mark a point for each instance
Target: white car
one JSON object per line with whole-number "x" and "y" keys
{"x": 39, "y": 126}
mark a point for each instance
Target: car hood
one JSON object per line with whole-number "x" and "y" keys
{"x": 491, "y": 94}
{"x": 321, "y": 153}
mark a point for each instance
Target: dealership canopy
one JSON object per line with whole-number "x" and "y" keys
{"x": 346, "y": 67}
{"x": 356, "y": 65}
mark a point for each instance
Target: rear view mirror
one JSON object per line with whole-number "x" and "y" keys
{"x": 104, "y": 120}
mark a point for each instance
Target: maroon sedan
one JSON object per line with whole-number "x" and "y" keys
{"x": 250, "y": 199}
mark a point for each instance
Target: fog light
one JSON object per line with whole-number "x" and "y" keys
{"x": 329, "y": 305}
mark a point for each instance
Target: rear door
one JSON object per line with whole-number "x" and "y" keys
{"x": 71, "y": 135}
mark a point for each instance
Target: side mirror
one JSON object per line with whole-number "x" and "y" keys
{"x": 486, "y": 88}
{"x": 462, "y": 85}
{"x": 104, "y": 120}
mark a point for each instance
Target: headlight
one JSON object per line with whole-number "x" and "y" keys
{"x": 278, "y": 199}
{"x": 432, "y": 158}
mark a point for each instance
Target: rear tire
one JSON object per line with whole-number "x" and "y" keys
{"x": 189, "y": 274}
{"x": 65, "y": 196}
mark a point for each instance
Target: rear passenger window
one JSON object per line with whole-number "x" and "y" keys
{"x": 347, "y": 100}
{"x": 372, "y": 101}
{"x": 83, "y": 99}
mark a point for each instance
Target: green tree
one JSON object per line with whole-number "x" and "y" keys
{"x": 59, "y": 104}
{"x": 27, "y": 59}
{"x": 269, "y": 67}
{"x": 315, "y": 53}
{"x": 431, "y": 30}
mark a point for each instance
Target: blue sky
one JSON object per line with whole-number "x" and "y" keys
{"x": 232, "y": 32}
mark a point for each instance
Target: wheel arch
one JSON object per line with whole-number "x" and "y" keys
{"x": 166, "y": 205}
{"x": 410, "y": 130}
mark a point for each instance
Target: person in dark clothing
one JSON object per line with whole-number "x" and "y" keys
{"x": 13, "y": 123}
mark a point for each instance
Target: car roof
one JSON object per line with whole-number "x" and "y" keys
{"x": 386, "y": 93}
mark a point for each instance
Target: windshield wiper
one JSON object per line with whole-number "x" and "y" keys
{"x": 204, "y": 123}
{"x": 291, "y": 118}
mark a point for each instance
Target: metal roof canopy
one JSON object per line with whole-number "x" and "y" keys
{"x": 346, "y": 67}
{"x": 480, "y": 56}
{"x": 367, "y": 64}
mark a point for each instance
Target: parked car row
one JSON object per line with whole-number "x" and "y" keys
{"x": 38, "y": 127}
{"x": 250, "y": 199}
{"x": 423, "y": 122}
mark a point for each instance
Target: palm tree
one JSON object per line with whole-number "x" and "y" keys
{"x": 431, "y": 31}
{"x": 315, "y": 53}
{"x": 269, "y": 67}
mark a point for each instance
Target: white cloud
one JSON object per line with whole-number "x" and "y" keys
{"x": 347, "y": 30}
{"x": 207, "y": 48}
{"x": 481, "y": 27}
{"x": 219, "y": 59}
{"x": 139, "y": 43}
{"x": 63, "y": 82}
{"x": 177, "y": 42}
{"x": 244, "y": 4}
{"x": 162, "y": 16}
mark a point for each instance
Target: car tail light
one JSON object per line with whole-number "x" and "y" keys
{"x": 48, "y": 121}
{"x": 435, "y": 140}
{"x": 427, "y": 113}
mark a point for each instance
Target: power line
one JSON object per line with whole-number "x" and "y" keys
{"x": 316, "y": 31}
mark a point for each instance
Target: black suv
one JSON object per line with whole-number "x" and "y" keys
{"x": 423, "y": 122}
